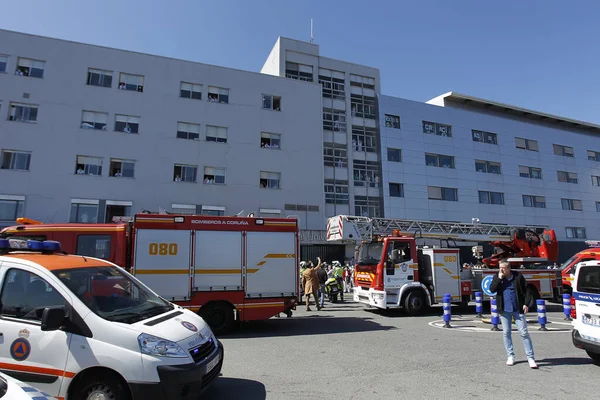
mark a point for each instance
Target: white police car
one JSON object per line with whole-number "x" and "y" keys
{"x": 586, "y": 324}
{"x": 12, "y": 389}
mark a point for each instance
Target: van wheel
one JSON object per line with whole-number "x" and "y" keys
{"x": 414, "y": 302}
{"x": 219, "y": 317}
{"x": 101, "y": 386}
{"x": 594, "y": 356}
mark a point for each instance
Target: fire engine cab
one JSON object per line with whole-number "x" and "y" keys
{"x": 223, "y": 268}
{"x": 393, "y": 271}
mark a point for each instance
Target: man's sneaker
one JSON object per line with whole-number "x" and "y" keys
{"x": 510, "y": 362}
{"x": 532, "y": 363}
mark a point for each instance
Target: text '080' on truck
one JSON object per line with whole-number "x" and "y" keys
{"x": 226, "y": 269}
{"x": 393, "y": 270}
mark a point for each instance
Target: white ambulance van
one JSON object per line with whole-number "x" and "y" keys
{"x": 78, "y": 327}
{"x": 586, "y": 322}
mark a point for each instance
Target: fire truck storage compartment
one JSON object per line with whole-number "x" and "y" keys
{"x": 218, "y": 260}
{"x": 271, "y": 264}
{"x": 445, "y": 272}
{"x": 162, "y": 261}
{"x": 425, "y": 268}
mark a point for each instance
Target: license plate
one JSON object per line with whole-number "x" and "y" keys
{"x": 211, "y": 365}
{"x": 591, "y": 320}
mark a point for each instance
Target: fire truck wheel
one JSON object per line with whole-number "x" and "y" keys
{"x": 535, "y": 294}
{"x": 219, "y": 316}
{"x": 414, "y": 302}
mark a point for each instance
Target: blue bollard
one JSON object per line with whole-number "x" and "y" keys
{"x": 495, "y": 316}
{"x": 479, "y": 304}
{"x": 541, "y": 312}
{"x": 447, "y": 306}
{"x": 567, "y": 306}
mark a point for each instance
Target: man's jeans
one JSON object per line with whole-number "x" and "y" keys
{"x": 322, "y": 297}
{"x": 521, "y": 322}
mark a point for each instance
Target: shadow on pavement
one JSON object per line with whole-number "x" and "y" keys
{"x": 233, "y": 388}
{"x": 318, "y": 324}
{"x": 564, "y": 361}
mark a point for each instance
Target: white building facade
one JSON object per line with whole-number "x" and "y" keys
{"x": 88, "y": 133}
{"x": 458, "y": 157}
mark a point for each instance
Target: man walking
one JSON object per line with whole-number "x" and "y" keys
{"x": 310, "y": 283}
{"x": 513, "y": 300}
{"x": 322, "y": 275}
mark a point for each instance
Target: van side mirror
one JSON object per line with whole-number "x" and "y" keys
{"x": 395, "y": 256}
{"x": 53, "y": 318}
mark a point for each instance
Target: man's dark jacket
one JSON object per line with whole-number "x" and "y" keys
{"x": 322, "y": 275}
{"x": 524, "y": 296}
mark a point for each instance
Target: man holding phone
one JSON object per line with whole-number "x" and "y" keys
{"x": 513, "y": 300}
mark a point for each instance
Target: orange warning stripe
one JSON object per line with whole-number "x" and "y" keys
{"x": 279, "y": 255}
{"x": 162, "y": 271}
{"x": 36, "y": 370}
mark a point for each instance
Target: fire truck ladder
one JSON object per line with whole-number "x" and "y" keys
{"x": 473, "y": 232}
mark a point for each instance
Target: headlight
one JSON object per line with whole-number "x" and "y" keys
{"x": 156, "y": 346}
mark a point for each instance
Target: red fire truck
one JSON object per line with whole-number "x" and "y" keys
{"x": 569, "y": 267}
{"x": 224, "y": 268}
{"x": 392, "y": 271}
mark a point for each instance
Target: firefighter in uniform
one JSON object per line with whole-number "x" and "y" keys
{"x": 338, "y": 273}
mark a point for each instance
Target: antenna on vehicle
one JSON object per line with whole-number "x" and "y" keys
{"x": 312, "y": 37}
{"x": 240, "y": 213}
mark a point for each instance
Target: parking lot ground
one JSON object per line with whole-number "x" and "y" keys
{"x": 351, "y": 352}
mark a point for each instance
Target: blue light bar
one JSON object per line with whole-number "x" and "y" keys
{"x": 4, "y": 244}
{"x": 35, "y": 245}
{"x": 51, "y": 245}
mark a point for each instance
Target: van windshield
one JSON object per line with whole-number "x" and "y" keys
{"x": 112, "y": 294}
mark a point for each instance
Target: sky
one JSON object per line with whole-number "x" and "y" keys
{"x": 537, "y": 54}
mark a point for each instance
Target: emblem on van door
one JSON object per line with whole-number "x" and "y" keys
{"x": 24, "y": 333}
{"x": 20, "y": 349}
{"x": 189, "y": 326}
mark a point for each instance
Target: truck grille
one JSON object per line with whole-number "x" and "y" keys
{"x": 203, "y": 351}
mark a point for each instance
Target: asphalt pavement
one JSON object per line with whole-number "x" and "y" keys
{"x": 349, "y": 351}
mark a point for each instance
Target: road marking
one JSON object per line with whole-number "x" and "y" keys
{"x": 476, "y": 325}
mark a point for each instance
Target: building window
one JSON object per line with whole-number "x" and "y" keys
{"x": 595, "y": 180}
{"x": 301, "y": 207}
{"x": 333, "y": 83}
{"x": 439, "y": 160}
{"x": 335, "y": 155}
{"x": 99, "y": 77}
{"x": 131, "y": 82}
{"x": 188, "y": 131}
{"x": 21, "y": 112}
{"x": 362, "y": 81}
{"x": 593, "y": 155}
{"x": 215, "y": 211}
{"x": 366, "y": 206}
{"x": 598, "y": 206}
{"x": 575, "y": 232}
{"x": 94, "y": 120}
{"x": 336, "y": 192}
{"x": 214, "y": 175}
{"x": 32, "y": 68}
{"x": 116, "y": 209}
{"x": 271, "y": 102}
{"x": 269, "y": 212}
{"x": 571, "y": 204}
{"x": 121, "y": 168}
{"x": 15, "y": 160}
{"x": 526, "y": 144}
{"x": 270, "y": 180}
{"x": 534, "y": 201}
{"x": 3, "y": 63}
{"x": 11, "y": 207}
{"x": 491, "y": 197}
{"x": 190, "y": 90}
{"x": 334, "y": 120}
{"x": 363, "y": 106}
{"x": 568, "y": 177}
{"x": 484, "y": 137}
{"x": 86, "y": 165}
{"x": 442, "y": 193}
{"x": 530, "y": 172}
{"x": 127, "y": 123}
{"x": 489, "y": 167}
{"x": 185, "y": 173}
{"x": 433, "y": 128}
{"x": 396, "y": 190}
{"x": 186, "y": 209}
{"x": 392, "y": 121}
{"x": 216, "y": 134}
{"x": 366, "y": 173}
{"x": 84, "y": 211}
{"x": 270, "y": 140}
{"x": 299, "y": 71}
{"x": 561, "y": 150}
{"x": 364, "y": 139}
{"x": 218, "y": 95}
{"x": 394, "y": 155}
